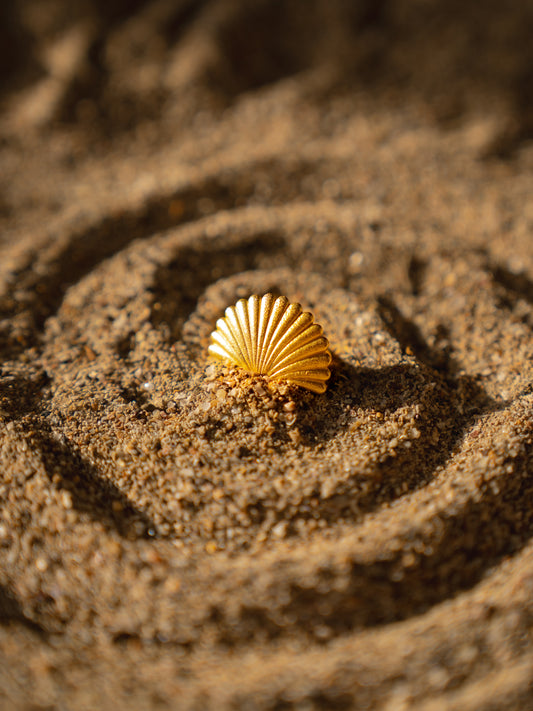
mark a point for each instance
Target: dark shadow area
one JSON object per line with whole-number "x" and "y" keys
{"x": 179, "y": 284}
{"x": 263, "y": 42}
{"x": 410, "y": 338}
{"x": 11, "y": 613}
{"x": 514, "y": 287}
{"x": 519, "y": 128}
{"x": 20, "y": 396}
{"x": 91, "y": 494}
{"x": 520, "y": 285}
{"x": 466, "y": 397}
{"x": 19, "y": 64}
{"x": 126, "y": 31}
{"x": 415, "y": 273}
{"x": 112, "y": 12}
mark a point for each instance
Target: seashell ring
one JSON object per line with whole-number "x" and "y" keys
{"x": 269, "y": 336}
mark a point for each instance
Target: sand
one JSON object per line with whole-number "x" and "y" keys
{"x": 175, "y": 534}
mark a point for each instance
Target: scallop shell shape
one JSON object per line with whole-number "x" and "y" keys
{"x": 269, "y": 336}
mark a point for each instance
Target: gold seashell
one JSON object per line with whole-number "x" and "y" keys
{"x": 272, "y": 337}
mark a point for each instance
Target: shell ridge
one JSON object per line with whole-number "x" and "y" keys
{"x": 302, "y": 322}
{"x": 224, "y": 336}
{"x": 226, "y": 326}
{"x": 278, "y": 307}
{"x": 241, "y": 309}
{"x": 222, "y": 354}
{"x": 253, "y": 320}
{"x": 311, "y": 363}
{"x": 304, "y": 341}
{"x": 317, "y": 387}
{"x": 308, "y": 335}
{"x": 314, "y": 374}
{"x": 265, "y": 312}
{"x": 233, "y": 323}
{"x": 314, "y": 347}
{"x": 288, "y": 317}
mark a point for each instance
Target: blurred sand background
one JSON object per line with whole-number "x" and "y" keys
{"x": 176, "y": 536}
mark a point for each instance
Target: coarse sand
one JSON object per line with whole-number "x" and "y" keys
{"x": 176, "y": 534}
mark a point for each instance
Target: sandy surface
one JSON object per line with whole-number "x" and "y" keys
{"x": 174, "y": 535}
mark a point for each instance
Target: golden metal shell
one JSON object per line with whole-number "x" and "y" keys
{"x": 272, "y": 337}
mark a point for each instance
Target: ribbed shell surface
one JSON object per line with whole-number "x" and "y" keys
{"x": 270, "y": 336}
